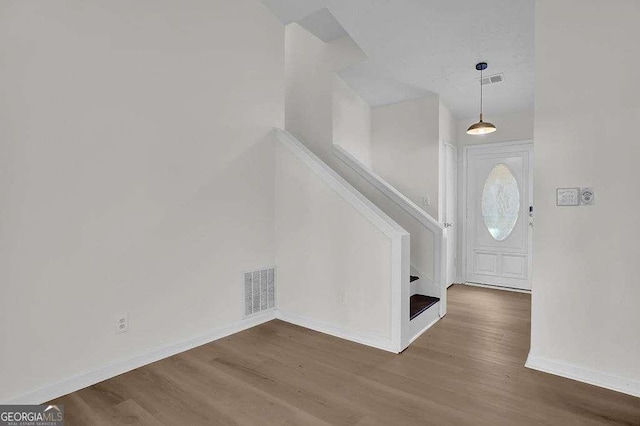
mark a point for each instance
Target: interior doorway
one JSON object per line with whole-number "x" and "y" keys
{"x": 498, "y": 214}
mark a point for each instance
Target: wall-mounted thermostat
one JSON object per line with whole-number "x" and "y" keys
{"x": 586, "y": 196}
{"x": 574, "y": 196}
{"x": 568, "y": 196}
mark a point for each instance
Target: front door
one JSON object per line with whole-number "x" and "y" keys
{"x": 499, "y": 210}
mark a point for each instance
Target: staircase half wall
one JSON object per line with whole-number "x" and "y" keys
{"x": 343, "y": 265}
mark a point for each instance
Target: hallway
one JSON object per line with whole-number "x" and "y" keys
{"x": 467, "y": 369}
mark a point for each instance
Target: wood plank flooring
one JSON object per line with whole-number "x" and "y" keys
{"x": 466, "y": 370}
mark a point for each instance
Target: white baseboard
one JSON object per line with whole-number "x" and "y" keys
{"x": 427, "y": 327}
{"x": 82, "y": 380}
{"x": 582, "y": 374}
{"x": 497, "y": 287}
{"x": 378, "y": 342}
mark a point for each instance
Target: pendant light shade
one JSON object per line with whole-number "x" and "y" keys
{"x": 481, "y": 127}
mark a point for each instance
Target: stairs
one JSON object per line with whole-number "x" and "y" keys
{"x": 419, "y": 303}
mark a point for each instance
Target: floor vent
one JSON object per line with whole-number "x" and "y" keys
{"x": 259, "y": 291}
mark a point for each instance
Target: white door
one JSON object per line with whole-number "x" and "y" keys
{"x": 450, "y": 208}
{"x": 498, "y": 224}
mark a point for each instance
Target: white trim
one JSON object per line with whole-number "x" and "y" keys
{"x": 79, "y": 381}
{"x": 427, "y": 327}
{"x": 400, "y": 288}
{"x": 421, "y": 323}
{"x": 442, "y": 178}
{"x": 379, "y": 342}
{"x": 497, "y": 144}
{"x": 441, "y": 182}
{"x": 442, "y": 205}
{"x": 383, "y": 186}
{"x": 369, "y": 210}
{"x": 583, "y": 374}
{"x": 496, "y": 287}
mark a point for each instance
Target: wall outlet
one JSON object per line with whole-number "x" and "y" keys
{"x": 122, "y": 323}
{"x": 342, "y": 298}
{"x": 426, "y": 201}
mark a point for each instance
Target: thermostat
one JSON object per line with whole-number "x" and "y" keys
{"x": 568, "y": 196}
{"x": 586, "y": 196}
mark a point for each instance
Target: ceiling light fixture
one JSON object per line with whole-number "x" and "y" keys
{"x": 481, "y": 127}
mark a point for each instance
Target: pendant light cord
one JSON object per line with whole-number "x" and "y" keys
{"x": 481, "y": 70}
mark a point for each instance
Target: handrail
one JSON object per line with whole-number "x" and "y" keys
{"x": 422, "y": 217}
{"x": 383, "y": 186}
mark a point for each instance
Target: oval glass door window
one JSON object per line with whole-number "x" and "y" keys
{"x": 500, "y": 202}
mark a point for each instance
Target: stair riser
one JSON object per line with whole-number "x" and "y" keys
{"x": 418, "y": 324}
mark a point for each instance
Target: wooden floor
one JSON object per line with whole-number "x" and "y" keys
{"x": 467, "y": 370}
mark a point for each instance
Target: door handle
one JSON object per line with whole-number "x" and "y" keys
{"x": 448, "y": 225}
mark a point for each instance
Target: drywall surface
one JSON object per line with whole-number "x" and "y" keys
{"x": 310, "y": 68}
{"x": 447, "y": 125}
{"x": 351, "y": 122}
{"x": 138, "y": 176}
{"x": 334, "y": 265}
{"x": 585, "y": 312}
{"x": 310, "y": 72}
{"x": 406, "y": 148}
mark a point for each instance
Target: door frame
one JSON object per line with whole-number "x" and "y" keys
{"x": 462, "y": 215}
{"x": 442, "y": 203}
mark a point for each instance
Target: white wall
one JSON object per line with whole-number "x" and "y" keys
{"x": 405, "y": 142}
{"x": 351, "y": 121}
{"x": 447, "y": 125}
{"x": 337, "y": 267}
{"x": 137, "y": 175}
{"x": 585, "y": 317}
{"x": 310, "y": 64}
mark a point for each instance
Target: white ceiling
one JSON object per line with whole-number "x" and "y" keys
{"x": 377, "y": 87}
{"x": 323, "y": 25}
{"x": 421, "y": 46}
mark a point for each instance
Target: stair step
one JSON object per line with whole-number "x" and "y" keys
{"x": 413, "y": 278}
{"x": 420, "y": 303}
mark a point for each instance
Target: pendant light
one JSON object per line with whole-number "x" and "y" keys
{"x": 481, "y": 127}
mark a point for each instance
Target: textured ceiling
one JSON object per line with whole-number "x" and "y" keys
{"x": 421, "y": 46}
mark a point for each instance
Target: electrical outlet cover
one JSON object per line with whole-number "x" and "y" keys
{"x": 122, "y": 323}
